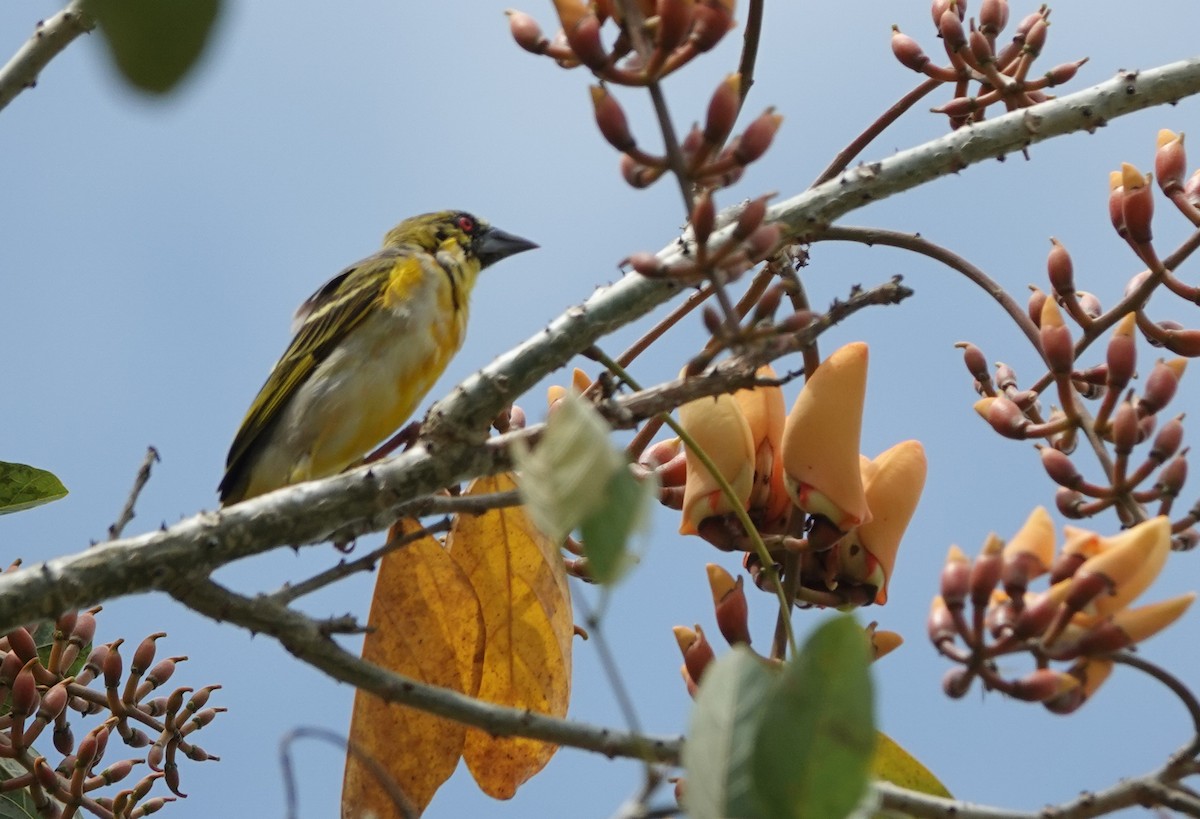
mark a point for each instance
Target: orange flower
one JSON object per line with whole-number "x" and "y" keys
{"x": 821, "y": 440}
{"x": 720, "y": 429}
{"x": 764, "y": 411}
{"x": 892, "y": 484}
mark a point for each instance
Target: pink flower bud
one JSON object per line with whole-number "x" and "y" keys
{"x": 1060, "y": 270}
{"x": 610, "y": 118}
{"x": 1122, "y": 354}
{"x": 712, "y": 20}
{"x": 940, "y": 7}
{"x": 1035, "y": 618}
{"x": 1171, "y": 479}
{"x": 1161, "y": 385}
{"x": 1125, "y": 428}
{"x": 757, "y": 137}
{"x": 955, "y": 582}
{"x": 976, "y": 362}
{"x": 1168, "y": 440}
{"x": 993, "y": 16}
{"x": 723, "y": 110}
{"x": 1137, "y": 204}
{"x": 981, "y": 49}
{"x": 1004, "y": 416}
{"x": 1035, "y": 39}
{"x": 940, "y": 624}
{"x": 1057, "y": 346}
{"x": 729, "y": 601}
{"x": 1063, "y": 73}
{"x": 674, "y": 20}
{"x": 704, "y": 216}
{"x": 1037, "y": 300}
{"x": 908, "y": 51}
{"x": 1170, "y": 161}
{"x": 526, "y": 32}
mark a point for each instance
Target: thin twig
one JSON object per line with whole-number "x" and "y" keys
{"x": 1185, "y": 695}
{"x": 399, "y": 798}
{"x": 608, "y": 662}
{"x": 750, "y": 41}
{"x": 345, "y": 568}
{"x": 860, "y": 142}
{"x": 139, "y": 483}
{"x": 919, "y": 244}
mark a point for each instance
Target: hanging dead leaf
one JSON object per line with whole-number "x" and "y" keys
{"x": 518, "y": 577}
{"x": 428, "y": 626}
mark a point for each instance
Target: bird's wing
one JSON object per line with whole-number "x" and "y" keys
{"x": 323, "y": 321}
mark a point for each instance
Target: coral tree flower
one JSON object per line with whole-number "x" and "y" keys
{"x": 719, "y": 427}
{"x": 741, "y": 434}
{"x": 892, "y": 483}
{"x": 821, "y": 440}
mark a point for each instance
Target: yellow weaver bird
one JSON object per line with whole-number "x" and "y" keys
{"x": 368, "y": 346}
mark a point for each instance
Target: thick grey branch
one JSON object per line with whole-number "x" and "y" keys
{"x": 49, "y": 38}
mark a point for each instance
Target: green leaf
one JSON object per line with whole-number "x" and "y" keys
{"x": 155, "y": 42}
{"x": 606, "y": 532}
{"x": 559, "y": 479}
{"x": 894, "y": 764}
{"x": 813, "y": 753}
{"x": 24, "y": 487}
{"x": 725, "y": 722}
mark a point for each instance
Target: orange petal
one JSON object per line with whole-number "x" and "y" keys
{"x": 765, "y": 412}
{"x": 892, "y": 483}
{"x": 1080, "y": 541}
{"x": 821, "y": 440}
{"x": 1131, "y": 560}
{"x": 1146, "y": 621}
{"x": 1035, "y": 538}
{"x": 719, "y": 428}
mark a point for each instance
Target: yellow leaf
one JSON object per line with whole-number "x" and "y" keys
{"x": 896, "y": 765}
{"x": 518, "y": 576}
{"x": 427, "y": 625}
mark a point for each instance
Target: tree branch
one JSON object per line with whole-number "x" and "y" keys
{"x": 49, "y": 38}
{"x": 304, "y": 638}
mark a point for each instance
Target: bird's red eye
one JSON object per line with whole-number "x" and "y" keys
{"x": 466, "y": 224}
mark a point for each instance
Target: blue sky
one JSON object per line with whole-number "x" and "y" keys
{"x": 152, "y": 253}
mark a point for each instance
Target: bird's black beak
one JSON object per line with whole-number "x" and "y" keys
{"x": 495, "y": 244}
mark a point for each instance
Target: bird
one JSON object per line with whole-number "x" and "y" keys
{"x": 367, "y": 347}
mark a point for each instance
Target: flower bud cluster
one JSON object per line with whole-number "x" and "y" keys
{"x": 732, "y": 614}
{"x": 1002, "y": 72}
{"x": 799, "y": 479}
{"x": 47, "y": 674}
{"x": 665, "y": 36}
{"x": 1122, "y": 417}
{"x": 987, "y": 611}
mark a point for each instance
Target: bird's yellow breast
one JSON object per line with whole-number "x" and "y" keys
{"x": 373, "y": 381}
